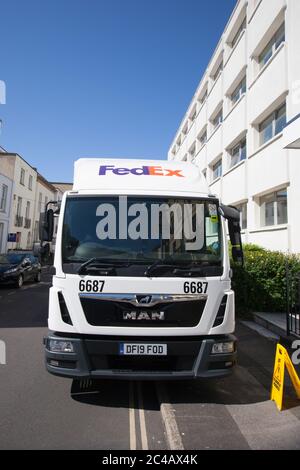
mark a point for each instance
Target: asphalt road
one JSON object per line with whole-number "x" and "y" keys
{"x": 39, "y": 411}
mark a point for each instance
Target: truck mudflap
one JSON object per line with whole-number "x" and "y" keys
{"x": 100, "y": 357}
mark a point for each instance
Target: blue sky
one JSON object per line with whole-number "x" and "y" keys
{"x": 102, "y": 78}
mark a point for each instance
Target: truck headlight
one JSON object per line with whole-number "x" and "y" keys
{"x": 60, "y": 346}
{"x": 223, "y": 348}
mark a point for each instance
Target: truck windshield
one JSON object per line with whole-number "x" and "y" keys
{"x": 141, "y": 230}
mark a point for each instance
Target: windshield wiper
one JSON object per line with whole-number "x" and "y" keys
{"x": 164, "y": 264}
{"x": 205, "y": 269}
{"x": 98, "y": 263}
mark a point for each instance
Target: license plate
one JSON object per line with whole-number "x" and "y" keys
{"x": 144, "y": 349}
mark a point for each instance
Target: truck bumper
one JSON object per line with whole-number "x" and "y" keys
{"x": 99, "y": 358}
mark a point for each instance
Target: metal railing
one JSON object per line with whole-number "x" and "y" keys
{"x": 27, "y": 223}
{"x": 19, "y": 221}
{"x": 293, "y": 304}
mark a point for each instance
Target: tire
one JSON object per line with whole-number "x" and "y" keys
{"x": 37, "y": 278}
{"x": 20, "y": 281}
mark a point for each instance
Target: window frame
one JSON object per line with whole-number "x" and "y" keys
{"x": 239, "y": 32}
{"x": 239, "y": 91}
{"x": 274, "y": 119}
{"x": 22, "y": 177}
{"x": 239, "y": 147}
{"x": 273, "y": 199}
{"x": 216, "y": 121}
{"x": 216, "y": 166}
{"x": 3, "y": 199}
{"x": 240, "y": 207}
{"x": 275, "y": 42}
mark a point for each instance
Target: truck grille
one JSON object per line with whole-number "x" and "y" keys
{"x": 122, "y": 313}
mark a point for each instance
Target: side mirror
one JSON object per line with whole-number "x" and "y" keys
{"x": 46, "y": 226}
{"x": 233, "y": 216}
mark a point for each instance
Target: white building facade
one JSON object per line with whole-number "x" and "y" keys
{"x": 235, "y": 128}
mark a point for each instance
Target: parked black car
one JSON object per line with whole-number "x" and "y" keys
{"x": 17, "y": 268}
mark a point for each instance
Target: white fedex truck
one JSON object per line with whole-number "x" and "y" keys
{"x": 142, "y": 278}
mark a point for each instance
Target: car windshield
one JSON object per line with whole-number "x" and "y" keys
{"x": 141, "y": 229}
{"x": 11, "y": 258}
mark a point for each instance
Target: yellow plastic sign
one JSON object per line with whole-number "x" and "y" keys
{"x": 282, "y": 360}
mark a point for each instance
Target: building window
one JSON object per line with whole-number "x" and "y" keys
{"x": 272, "y": 46}
{"x": 272, "y": 125}
{"x": 238, "y": 153}
{"x": 243, "y": 215}
{"x": 22, "y": 177}
{"x": 192, "y": 151}
{"x": 274, "y": 208}
{"x": 204, "y": 173}
{"x": 185, "y": 129}
{"x": 178, "y": 141}
{"x": 19, "y": 206}
{"x": 36, "y": 231}
{"x": 217, "y": 169}
{"x": 218, "y": 71}
{"x": 203, "y": 138}
{"x": 217, "y": 120}
{"x": 193, "y": 114}
{"x": 40, "y": 203}
{"x": 239, "y": 91}
{"x": 203, "y": 98}
{"x": 238, "y": 33}
{"x": 27, "y": 211}
{"x": 3, "y": 199}
{"x": 30, "y": 182}
{"x": 1, "y": 236}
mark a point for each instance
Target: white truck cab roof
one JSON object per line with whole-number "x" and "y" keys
{"x": 92, "y": 175}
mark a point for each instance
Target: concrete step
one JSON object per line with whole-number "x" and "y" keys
{"x": 275, "y": 322}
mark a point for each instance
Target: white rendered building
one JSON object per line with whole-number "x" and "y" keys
{"x": 242, "y": 127}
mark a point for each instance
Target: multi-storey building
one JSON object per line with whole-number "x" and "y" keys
{"x": 23, "y": 200}
{"x": 6, "y": 190}
{"x": 236, "y": 128}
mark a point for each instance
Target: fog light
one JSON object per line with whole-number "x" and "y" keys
{"x": 223, "y": 348}
{"x": 60, "y": 346}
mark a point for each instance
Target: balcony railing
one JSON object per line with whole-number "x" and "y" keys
{"x": 19, "y": 221}
{"x": 27, "y": 223}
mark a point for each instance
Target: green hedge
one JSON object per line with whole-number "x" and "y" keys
{"x": 261, "y": 284}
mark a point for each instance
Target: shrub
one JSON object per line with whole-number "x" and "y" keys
{"x": 261, "y": 284}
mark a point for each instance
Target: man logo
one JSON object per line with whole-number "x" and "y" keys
{"x": 143, "y": 299}
{"x": 143, "y": 315}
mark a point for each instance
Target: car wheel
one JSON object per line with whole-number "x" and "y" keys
{"x": 20, "y": 281}
{"x": 38, "y": 277}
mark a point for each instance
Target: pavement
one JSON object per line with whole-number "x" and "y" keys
{"x": 40, "y": 411}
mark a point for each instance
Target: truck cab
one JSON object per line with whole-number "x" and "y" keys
{"x": 142, "y": 278}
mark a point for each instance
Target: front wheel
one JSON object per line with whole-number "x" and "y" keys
{"x": 38, "y": 277}
{"x": 20, "y": 281}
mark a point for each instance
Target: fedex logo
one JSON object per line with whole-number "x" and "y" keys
{"x": 142, "y": 170}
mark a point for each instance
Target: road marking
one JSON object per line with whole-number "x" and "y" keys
{"x": 143, "y": 430}
{"x": 168, "y": 416}
{"x": 11, "y": 293}
{"x": 132, "y": 430}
